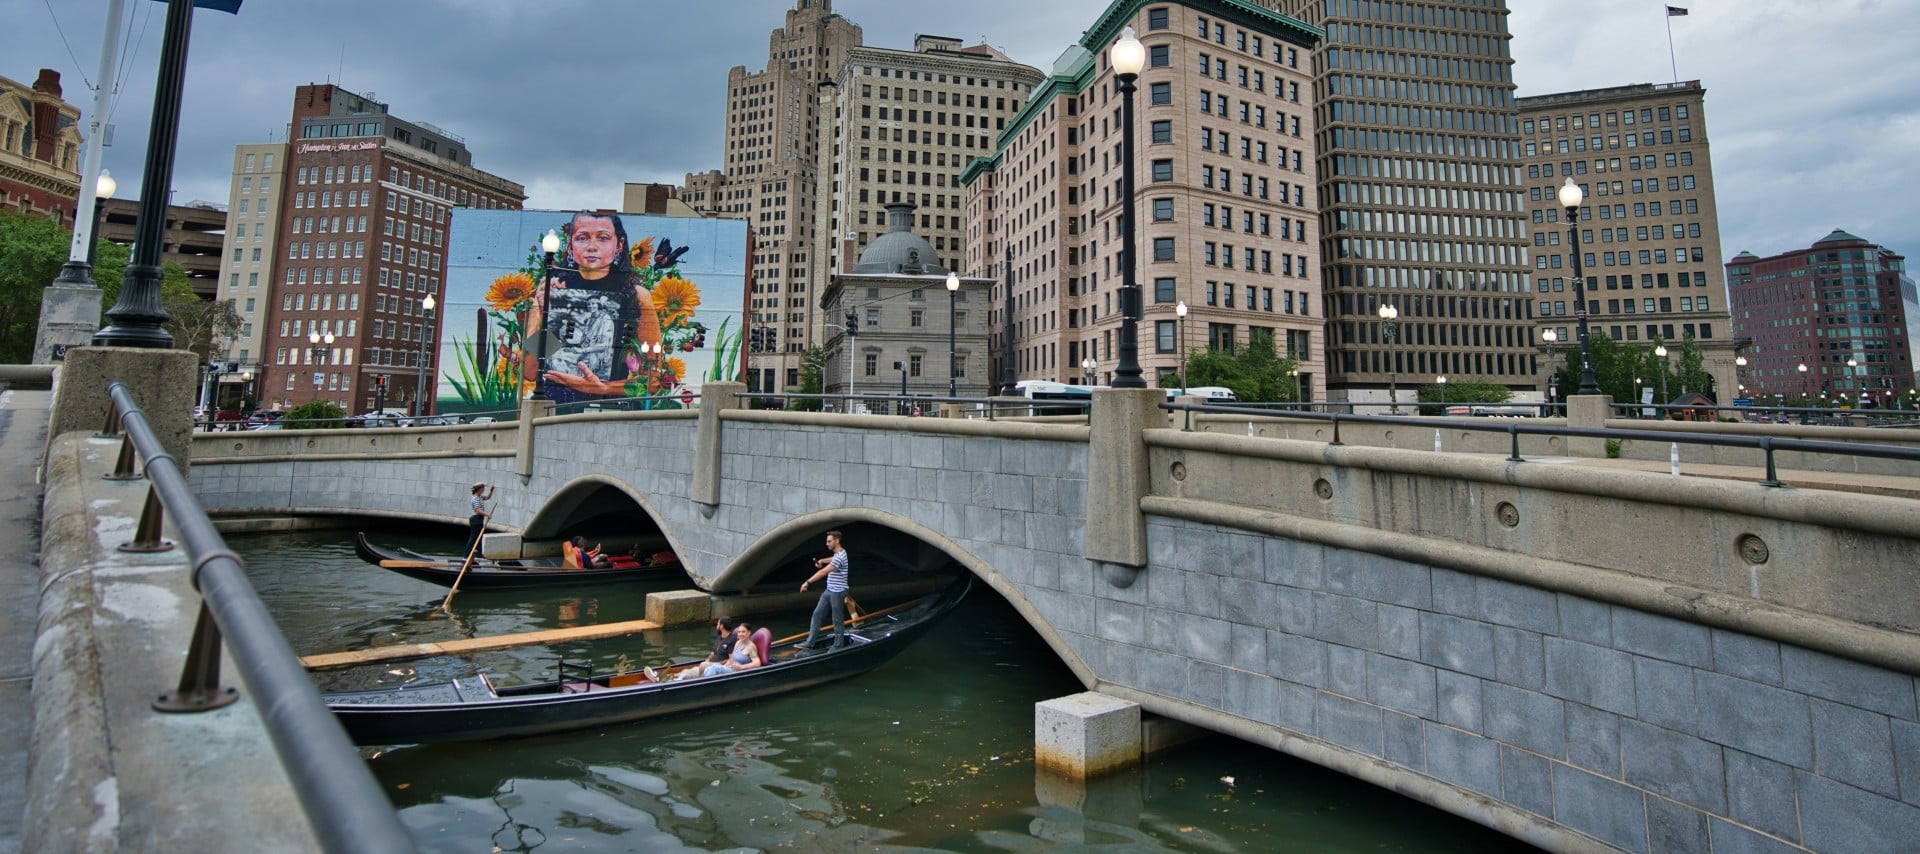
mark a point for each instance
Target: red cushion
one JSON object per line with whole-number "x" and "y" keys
{"x": 762, "y": 638}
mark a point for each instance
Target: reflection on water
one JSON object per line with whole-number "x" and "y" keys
{"x": 932, "y": 751}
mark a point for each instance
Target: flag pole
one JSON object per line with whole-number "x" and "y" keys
{"x": 1671, "y": 60}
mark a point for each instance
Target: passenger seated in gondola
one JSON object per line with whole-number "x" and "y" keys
{"x": 722, "y": 649}
{"x": 576, "y": 555}
{"x": 745, "y": 655}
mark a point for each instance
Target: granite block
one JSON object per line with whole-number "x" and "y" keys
{"x": 1346, "y": 621}
{"x": 1293, "y": 609}
{"x": 1404, "y": 741}
{"x": 1454, "y": 593}
{"x": 1664, "y": 693}
{"x": 1527, "y": 780}
{"x": 1297, "y": 659}
{"x": 1727, "y": 838}
{"x": 1674, "y": 765}
{"x": 1508, "y": 604}
{"x": 1603, "y": 809}
{"x": 1299, "y": 708}
{"x": 1906, "y": 756}
{"x": 1399, "y": 631}
{"x": 1590, "y": 675}
{"x": 1451, "y": 643}
{"x": 1849, "y": 682}
{"x": 1378, "y": 579}
{"x": 1296, "y": 564}
{"x": 1854, "y": 746}
{"x": 1593, "y": 739}
{"x": 1204, "y": 639}
{"x": 1525, "y": 719}
{"x": 1349, "y": 723}
{"x": 1401, "y": 685}
{"x": 1839, "y": 817}
{"x": 1463, "y": 759}
{"x": 1675, "y": 827}
{"x": 1585, "y": 620}
{"x": 1665, "y": 638}
{"x": 1247, "y": 647}
{"x": 1755, "y": 718}
{"x": 1458, "y": 700}
{"x": 1347, "y": 670}
{"x": 1519, "y": 658}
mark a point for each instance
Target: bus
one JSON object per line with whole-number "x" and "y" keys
{"x": 1483, "y": 410}
{"x": 1207, "y": 394}
{"x": 1078, "y": 398}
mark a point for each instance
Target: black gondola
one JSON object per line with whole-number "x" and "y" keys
{"x": 487, "y": 574}
{"x": 471, "y": 709}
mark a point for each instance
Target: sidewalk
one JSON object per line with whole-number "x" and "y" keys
{"x": 1892, "y": 486}
{"x": 23, "y": 434}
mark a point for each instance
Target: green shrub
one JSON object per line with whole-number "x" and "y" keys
{"x": 314, "y": 415}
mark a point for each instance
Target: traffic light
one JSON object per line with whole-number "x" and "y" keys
{"x": 773, "y": 344}
{"x": 380, "y": 381}
{"x": 853, "y": 322}
{"x": 754, "y": 339}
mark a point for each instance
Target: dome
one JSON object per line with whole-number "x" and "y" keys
{"x": 1838, "y": 236}
{"x": 899, "y": 251}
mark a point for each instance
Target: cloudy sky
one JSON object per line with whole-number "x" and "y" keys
{"x": 1813, "y": 108}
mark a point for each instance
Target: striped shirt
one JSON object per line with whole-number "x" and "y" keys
{"x": 479, "y": 505}
{"x": 837, "y": 573}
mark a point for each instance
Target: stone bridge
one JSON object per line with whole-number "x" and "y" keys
{"x": 1572, "y": 653}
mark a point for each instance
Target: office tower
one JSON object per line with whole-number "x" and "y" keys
{"x": 362, "y": 226}
{"x": 1418, "y": 142}
{"x": 769, "y": 175}
{"x": 1649, "y": 228}
{"x": 252, "y": 243}
{"x": 40, "y": 160}
{"x": 1842, "y": 308}
{"x": 1225, "y": 204}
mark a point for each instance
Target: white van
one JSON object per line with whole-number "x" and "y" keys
{"x": 1210, "y": 393}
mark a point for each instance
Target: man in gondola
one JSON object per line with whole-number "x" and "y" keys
{"x": 834, "y": 598}
{"x": 722, "y": 647}
{"x": 477, "y": 523}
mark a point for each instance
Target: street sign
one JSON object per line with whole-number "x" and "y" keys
{"x": 1743, "y": 401}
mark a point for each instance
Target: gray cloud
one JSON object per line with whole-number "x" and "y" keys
{"x": 1811, "y": 107}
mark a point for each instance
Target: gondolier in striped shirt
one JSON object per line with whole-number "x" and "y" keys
{"x": 834, "y": 598}
{"x": 477, "y": 523}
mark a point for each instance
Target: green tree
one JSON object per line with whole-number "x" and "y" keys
{"x": 207, "y": 327}
{"x": 813, "y": 369}
{"x": 32, "y": 250}
{"x": 1259, "y": 373}
{"x": 314, "y": 415}
{"x": 1465, "y": 391}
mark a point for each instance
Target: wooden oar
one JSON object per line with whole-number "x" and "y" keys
{"x": 448, "y": 603}
{"x": 860, "y": 619}
{"x": 465, "y": 645}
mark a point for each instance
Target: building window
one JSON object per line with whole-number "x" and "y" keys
{"x": 1163, "y": 289}
{"x": 1158, "y": 56}
{"x": 1162, "y": 210}
{"x": 1159, "y": 93}
{"x": 1163, "y": 170}
{"x": 917, "y": 318}
{"x": 873, "y": 364}
{"x": 1163, "y": 249}
{"x": 1161, "y": 132}
{"x": 1157, "y": 20}
{"x": 1163, "y": 336}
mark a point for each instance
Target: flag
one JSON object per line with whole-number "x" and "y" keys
{"x": 1672, "y": 11}
{"x": 232, "y": 7}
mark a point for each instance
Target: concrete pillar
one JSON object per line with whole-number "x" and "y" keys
{"x": 1085, "y": 735}
{"x": 164, "y": 383}
{"x": 523, "y": 443}
{"x": 715, "y": 398}
{"x": 680, "y": 607}
{"x": 69, "y": 314}
{"x": 1117, "y": 478}
{"x": 1589, "y": 411}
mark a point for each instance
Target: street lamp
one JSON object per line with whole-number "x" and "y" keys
{"x": 1636, "y": 390}
{"x": 1086, "y": 368}
{"x": 1552, "y": 346}
{"x": 1442, "y": 382}
{"x": 1570, "y": 197}
{"x": 1180, "y": 310}
{"x": 1388, "y": 328}
{"x": 420, "y": 379}
{"x": 318, "y": 349}
{"x": 246, "y": 392}
{"x": 1740, "y": 373}
{"x": 953, "y": 348}
{"x": 1128, "y": 57}
{"x": 1294, "y": 375}
{"x": 1806, "y": 390}
{"x": 549, "y": 244}
{"x": 1660, "y": 350}
{"x": 102, "y": 191}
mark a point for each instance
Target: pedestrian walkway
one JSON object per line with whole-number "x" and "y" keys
{"x": 1894, "y": 486}
{"x": 23, "y": 436}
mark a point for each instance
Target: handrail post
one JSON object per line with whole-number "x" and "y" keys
{"x": 123, "y": 466}
{"x": 1513, "y": 431}
{"x": 199, "y": 689}
{"x": 112, "y": 428}
{"x": 1336, "y": 429}
{"x": 1773, "y": 474}
{"x": 146, "y": 538}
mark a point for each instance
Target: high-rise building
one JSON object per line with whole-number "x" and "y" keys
{"x": 252, "y": 243}
{"x": 40, "y": 154}
{"x": 363, "y": 238}
{"x": 1840, "y": 310}
{"x": 770, "y": 177}
{"x": 1649, "y": 228}
{"x": 1419, "y": 146}
{"x": 1224, "y": 201}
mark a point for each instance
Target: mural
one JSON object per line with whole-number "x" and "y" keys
{"x": 640, "y": 309}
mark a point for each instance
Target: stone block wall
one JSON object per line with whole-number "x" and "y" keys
{"x": 1645, "y": 732}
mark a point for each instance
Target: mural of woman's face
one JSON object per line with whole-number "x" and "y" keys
{"x": 594, "y": 245}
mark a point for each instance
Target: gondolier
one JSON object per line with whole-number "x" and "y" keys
{"x": 477, "y": 523}
{"x": 834, "y": 598}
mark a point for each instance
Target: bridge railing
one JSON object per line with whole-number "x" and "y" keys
{"x": 924, "y": 406}
{"x": 1515, "y": 428}
{"x": 343, "y": 802}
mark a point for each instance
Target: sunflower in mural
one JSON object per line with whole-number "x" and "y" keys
{"x": 510, "y": 292}
{"x": 675, "y": 299}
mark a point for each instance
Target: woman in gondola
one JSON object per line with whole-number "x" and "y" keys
{"x": 745, "y": 655}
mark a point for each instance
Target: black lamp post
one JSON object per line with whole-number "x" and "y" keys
{"x": 953, "y": 347}
{"x": 1388, "y": 329}
{"x": 549, "y": 244}
{"x": 1553, "y": 379}
{"x": 138, "y": 316}
{"x": 1570, "y": 197}
{"x": 319, "y": 345}
{"x": 420, "y": 379}
{"x": 102, "y": 191}
{"x": 902, "y": 368}
{"x": 1087, "y": 366}
{"x": 1128, "y": 57}
{"x": 1009, "y": 377}
{"x": 1180, "y": 311}
{"x": 1660, "y": 352}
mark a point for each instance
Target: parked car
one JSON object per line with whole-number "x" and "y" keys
{"x": 265, "y": 416}
{"x": 481, "y": 419}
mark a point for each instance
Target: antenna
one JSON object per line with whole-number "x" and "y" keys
{"x": 339, "y": 75}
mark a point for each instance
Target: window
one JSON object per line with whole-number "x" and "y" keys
{"x": 917, "y": 318}
{"x": 1160, "y": 93}
{"x": 1162, "y": 210}
{"x": 1158, "y": 56}
{"x": 1157, "y": 20}
{"x": 1163, "y": 170}
{"x": 1162, "y": 131}
{"x": 1163, "y": 289}
{"x": 1163, "y": 249}
{"x": 1163, "y": 336}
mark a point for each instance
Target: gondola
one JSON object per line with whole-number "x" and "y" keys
{"x": 472, "y": 709}
{"x": 487, "y": 574}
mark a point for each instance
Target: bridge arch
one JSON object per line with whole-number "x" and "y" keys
{"x": 591, "y": 498}
{"x": 772, "y": 549}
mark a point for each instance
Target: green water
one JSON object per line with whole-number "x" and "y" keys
{"x": 932, "y": 751}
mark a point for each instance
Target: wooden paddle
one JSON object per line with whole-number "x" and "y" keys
{"x": 851, "y": 621}
{"x": 464, "y": 565}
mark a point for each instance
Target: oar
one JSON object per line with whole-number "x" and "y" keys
{"x": 467, "y": 563}
{"x": 852, "y": 621}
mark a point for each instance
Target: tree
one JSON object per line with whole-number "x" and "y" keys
{"x": 1259, "y": 373}
{"x": 207, "y": 327}
{"x": 813, "y": 366}
{"x": 314, "y": 415}
{"x": 1465, "y": 391}
{"x": 32, "y": 250}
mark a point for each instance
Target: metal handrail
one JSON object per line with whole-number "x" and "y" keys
{"x": 1517, "y": 427}
{"x": 343, "y": 802}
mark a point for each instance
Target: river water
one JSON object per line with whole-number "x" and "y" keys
{"x": 932, "y": 751}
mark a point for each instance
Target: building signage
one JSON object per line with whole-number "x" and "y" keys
{"x": 315, "y": 147}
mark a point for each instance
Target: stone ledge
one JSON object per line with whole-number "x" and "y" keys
{"x": 106, "y": 771}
